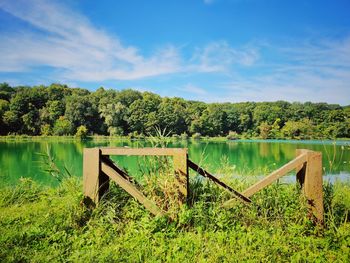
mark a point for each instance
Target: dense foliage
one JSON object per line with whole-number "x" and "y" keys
{"x": 59, "y": 110}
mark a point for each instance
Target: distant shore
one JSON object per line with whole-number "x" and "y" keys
{"x": 173, "y": 138}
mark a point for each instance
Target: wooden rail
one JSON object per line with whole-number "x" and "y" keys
{"x": 98, "y": 169}
{"x": 308, "y": 166}
{"x": 211, "y": 177}
{"x": 300, "y": 160}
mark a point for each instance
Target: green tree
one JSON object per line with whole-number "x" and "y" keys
{"x": 266, "y": 112}
{"x": 114, "y": 115}
{"x": 80, "y": 111}
{"x": 245, "y": 111}
{"x": 336, "y": 116}
{"x": 32, "y": 110}
{"x": 6, "y": 91}
{"x": 57, "y": 92}
{"x": 211, "y": 122}
{"x": 129, "y": 96}
{"x": 62, "y": 127}
{"x": 11, "y": 121}
{"x": 51, "y": 112}
{"x": 142, "y": 115}
{"x": 194, "y": 110}
{"x": 31, "y": 121}
{"x": 303, "y": 129}
{"x": 232, "y": 119}
{"x": 275, "y": 132}
{"x": 171, "y": 115}
{"x": 4, "y": 106}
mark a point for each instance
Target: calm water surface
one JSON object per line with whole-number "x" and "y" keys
{"x": 245, "y": 157}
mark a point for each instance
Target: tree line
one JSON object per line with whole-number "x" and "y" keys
{"x": 60, "y": 110}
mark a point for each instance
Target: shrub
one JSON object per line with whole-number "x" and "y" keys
{"x": 184, "y": 136}
{"x": 175, "y": 136}
{"x": 62, "y": 126}
{"x": 82, "y": 132}
{"x": 264, "y": 130}
{"x": 232, "y": 135}
{"x": 45, "y": 129}
{"x": 133, "y": 135}
{"x": 115, "y": 131}
{"x": 196, "y": 136}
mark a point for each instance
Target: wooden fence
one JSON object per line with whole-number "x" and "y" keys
{"x": 98, "y": 169}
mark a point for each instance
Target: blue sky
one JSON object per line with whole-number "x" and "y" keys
{"x": 209, "y": 50}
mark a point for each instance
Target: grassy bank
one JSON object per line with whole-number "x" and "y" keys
{"x": 50, "y": 225}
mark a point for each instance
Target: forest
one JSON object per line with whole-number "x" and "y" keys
{"x": 60, "y": 110}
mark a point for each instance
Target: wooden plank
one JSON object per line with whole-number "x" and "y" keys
{"x": 91, "y": 172}
{"x": 143, "y": 151}
{"x": 211, "y": 177}
{"x": 297, "y": 162}
{"x": 181, "y": 173}
{"x": 130, "y": 188}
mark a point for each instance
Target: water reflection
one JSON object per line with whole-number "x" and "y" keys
{"x": 22, "y": 159}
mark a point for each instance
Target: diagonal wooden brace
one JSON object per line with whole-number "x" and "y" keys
{"x": 211, "y": 177}
{"x": 271, "y": 178}
{"x": 130, "y": 188}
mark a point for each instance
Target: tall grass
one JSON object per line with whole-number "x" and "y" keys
{"x": 39, "y": 224}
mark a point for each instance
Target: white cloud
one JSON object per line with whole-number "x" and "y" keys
{"x": 306, "y": 72}
{"x": 220, "y": 56}
{"x": 71, "y": 43}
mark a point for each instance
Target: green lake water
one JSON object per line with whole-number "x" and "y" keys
{"x": 243, "y": 157}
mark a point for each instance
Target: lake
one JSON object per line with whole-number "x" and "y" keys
{"x": 244, "y": 157}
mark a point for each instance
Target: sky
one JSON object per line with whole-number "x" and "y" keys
{"x": 207, "y": 50}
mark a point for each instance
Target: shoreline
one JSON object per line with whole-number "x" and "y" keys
{"x": 144, "y": 138}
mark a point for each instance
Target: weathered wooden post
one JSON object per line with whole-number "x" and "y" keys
{"x": 95, "y": 182}
{"x": 310, "y": 178}
{"x": 181, "y": 172}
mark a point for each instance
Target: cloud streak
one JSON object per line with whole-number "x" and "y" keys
{"x": 80, "y": 51}
{"x": 71, "y": 43}
{"x": 220, "y": 56}
{"x": 304, "y": 72}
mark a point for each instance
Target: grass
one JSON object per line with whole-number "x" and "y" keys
{"x": 39, "y": 224}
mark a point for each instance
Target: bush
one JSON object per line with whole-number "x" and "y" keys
{"x": 175, "y": 136}
{"x": 115, "y": 131}
{"x": 232, "y": 135}
{"x": 196, "y": 136}
{"x": 62, "y": 127}
{"x": 264, "y": 130}
{"x": 133, "y": 135}
{"x": 82, "y": 132}
{"x": 184, "y": 136}
{"x": 45, "y": 129}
